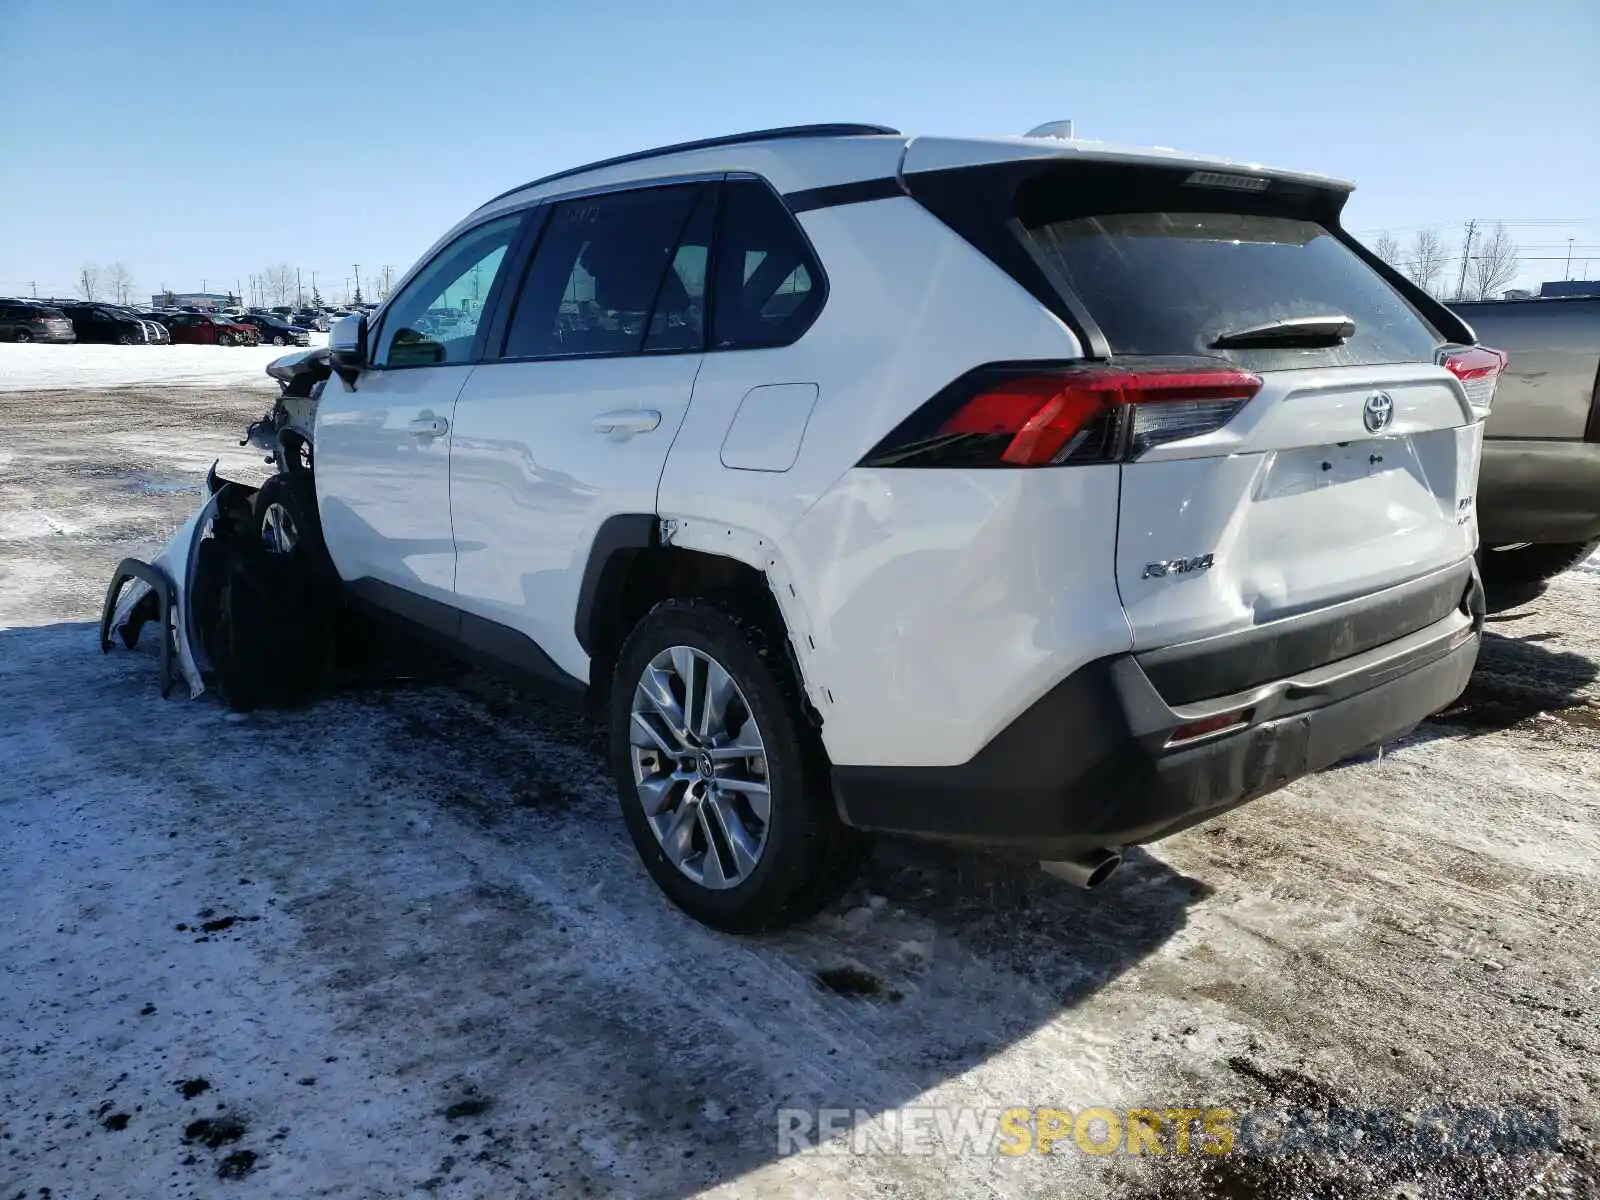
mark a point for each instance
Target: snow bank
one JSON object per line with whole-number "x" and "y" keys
{"x": 35, "y": 367}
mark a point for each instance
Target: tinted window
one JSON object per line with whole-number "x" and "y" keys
{"x": 678, "y": 320}
{"x": 1166, "y": 268}
{"x": 768, "y": 287}
{"x": 602, "y": 264}
{"x": 457, "y": 282}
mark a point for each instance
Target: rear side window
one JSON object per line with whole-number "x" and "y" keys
{"x": 768, "y": 287}
{"x": 1168, "y": 268}
{"x": 600, "y": 269}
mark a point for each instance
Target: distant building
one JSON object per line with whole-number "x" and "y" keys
{"x": 1570, "y": 287}
{"x": 190, "y": 300}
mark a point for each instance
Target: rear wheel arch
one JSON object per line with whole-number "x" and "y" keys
{"x": 631, "y": 570}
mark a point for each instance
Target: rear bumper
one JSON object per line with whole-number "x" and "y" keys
{"x": 1089, "y": 765}
{"x": 1538, "y": 491}
{"x": 51, "y": 338}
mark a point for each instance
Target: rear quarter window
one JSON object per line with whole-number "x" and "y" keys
{"x": 1172, "y": 282}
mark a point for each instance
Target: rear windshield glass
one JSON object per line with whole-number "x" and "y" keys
{"x": 1174, "y": 282}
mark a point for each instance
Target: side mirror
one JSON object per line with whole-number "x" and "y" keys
{"x": 347, "y": 346}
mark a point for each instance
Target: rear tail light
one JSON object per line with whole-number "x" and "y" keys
{"x": 1478, "y": 368}
{"x": 1041, "y": 415}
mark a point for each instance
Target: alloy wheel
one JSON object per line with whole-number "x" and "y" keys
{"x": 700, "y": 767}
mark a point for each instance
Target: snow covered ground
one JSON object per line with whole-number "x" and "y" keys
{"x": 397, "y": 943}
{"x": 36, "y": 367}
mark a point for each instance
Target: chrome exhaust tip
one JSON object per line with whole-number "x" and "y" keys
{"x": 1088, "y": 872}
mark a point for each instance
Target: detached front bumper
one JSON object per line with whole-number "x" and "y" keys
{"x": 1089, "y": 766}
{"x": 1538, "y": 491}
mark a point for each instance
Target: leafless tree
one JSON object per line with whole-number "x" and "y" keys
{"x": 1495, "y": 264}
{"x": 277, "y": 283}
{"x": 1387, "y": 247}
{"x": 1427, "y": 262}
{"x": 89, "y": 281}
{"x": 119, "y": 283}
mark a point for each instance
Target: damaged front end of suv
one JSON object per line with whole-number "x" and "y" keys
{"x": 241, "y": 593}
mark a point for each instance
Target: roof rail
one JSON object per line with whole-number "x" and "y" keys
{"x": 836, "y": 129}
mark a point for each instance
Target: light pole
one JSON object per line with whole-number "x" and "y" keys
{"x": 1466, "y": 253}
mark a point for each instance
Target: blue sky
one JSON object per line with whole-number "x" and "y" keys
{"x": 205, "y": 140}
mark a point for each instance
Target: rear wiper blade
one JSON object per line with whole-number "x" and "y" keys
{"x": 1290, "y": 332}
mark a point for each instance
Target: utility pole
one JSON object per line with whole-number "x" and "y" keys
{"x": 299, "y": 293}
{"x": 356, "y": 267}
{"x": 35, "y": 283}
{"x": 1567, "y": 272}
{"x": 1466, "y": 253}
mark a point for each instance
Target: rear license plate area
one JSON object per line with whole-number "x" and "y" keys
{"x": 1297, "y": 472}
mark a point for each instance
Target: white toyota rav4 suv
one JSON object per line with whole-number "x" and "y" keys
{"x": 1025, "y": 493}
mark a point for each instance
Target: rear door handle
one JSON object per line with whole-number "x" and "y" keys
{"x": 625, "y": 422}
{"x": 429, "y": 426}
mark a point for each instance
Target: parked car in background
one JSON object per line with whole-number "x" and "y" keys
{"x": 275, "y": 330}
{"x": 151, "y": 331}
{"x": 155, "y": 328}
{"x": 107, "y": 324}
{"x": 1539, "y": 487}
{"x": 311, "y": 319}
{"x": 25, "y": 321}
{"x": 210, "y": 329}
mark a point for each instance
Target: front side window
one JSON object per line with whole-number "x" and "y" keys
{"x": 616, "y": 274}
{"x": 458, "y": 282}
{"x": 768, "y": 287}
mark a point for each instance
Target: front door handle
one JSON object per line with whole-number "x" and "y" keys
{"x": 625, "y": 422}
{"x": 431, "y": 427}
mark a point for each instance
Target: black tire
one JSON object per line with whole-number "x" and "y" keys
{"x": 296, "y": 496}
{"x": 124, "y": 340}
{"x": 277, "y": 340}
{"x": 23, "y": 335}
{"x": 1537, "y": 563}
{"x": 810, "y": 856}
{"x": 224, "y": 339}
{"x": 1513, "y": 577}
